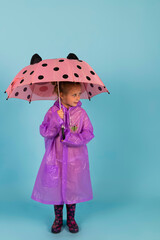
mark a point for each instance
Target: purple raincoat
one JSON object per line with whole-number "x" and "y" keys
{"x": 64, "y": 175}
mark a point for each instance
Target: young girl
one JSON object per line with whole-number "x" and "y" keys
{"x": 64, "y": 175}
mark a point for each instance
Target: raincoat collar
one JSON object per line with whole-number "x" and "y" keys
{"x": 57, "y": 104}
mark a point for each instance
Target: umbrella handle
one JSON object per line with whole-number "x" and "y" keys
{"x": 63, "y": 135}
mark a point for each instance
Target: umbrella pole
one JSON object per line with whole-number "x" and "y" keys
{"x": 63, "y": 135}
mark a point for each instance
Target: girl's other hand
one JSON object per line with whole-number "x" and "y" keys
{"x": 60, "y": 113}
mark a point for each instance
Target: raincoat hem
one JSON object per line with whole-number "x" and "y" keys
{"x": 64, "y": 202}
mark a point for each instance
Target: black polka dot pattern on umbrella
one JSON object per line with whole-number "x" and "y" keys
{"x": 22, "y": 81}
{"x": 65, "y": 76}
{"x": 44, "y": 65}
{"x": 56, "y": 68}
{"x": 88, "y": 78}
{"x": 40, "y": 77}
{"x": 25, "y": 89}
{"x": 76, "y": 75}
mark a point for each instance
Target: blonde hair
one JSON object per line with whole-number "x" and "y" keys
{"x": 64, "y": 86}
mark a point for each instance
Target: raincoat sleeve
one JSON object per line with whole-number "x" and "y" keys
{"x": 51, "y": 124}
{"x": 82, "y": 138}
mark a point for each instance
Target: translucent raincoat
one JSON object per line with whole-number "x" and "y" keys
{"x": 64, "y": 175}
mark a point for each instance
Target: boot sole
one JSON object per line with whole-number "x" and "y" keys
{"x": 55, "y": 231}
{"x": 72, "y": 231}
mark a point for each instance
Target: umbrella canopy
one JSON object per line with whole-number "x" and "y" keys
{"x": 37, "y": 80}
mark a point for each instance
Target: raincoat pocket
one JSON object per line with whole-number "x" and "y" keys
{"x": 50, "y": 176}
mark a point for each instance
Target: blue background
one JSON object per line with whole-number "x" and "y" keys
{"x": 120, "y": 40}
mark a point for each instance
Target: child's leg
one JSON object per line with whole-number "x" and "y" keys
{"x": 73, "y": 227}
{"x": 58, "y": 222}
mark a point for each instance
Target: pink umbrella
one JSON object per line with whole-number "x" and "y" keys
{"x": 37, "y": 80}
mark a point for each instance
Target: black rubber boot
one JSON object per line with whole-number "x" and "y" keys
{"x": 71, "y": 223}
{"x": 58, "y": 222}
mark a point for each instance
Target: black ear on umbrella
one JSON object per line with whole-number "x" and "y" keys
{"x": 35, "y": 59}
{"x": 72, "y": 56}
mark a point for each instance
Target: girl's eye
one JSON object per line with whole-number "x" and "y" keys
{"x": 75, "y": 94}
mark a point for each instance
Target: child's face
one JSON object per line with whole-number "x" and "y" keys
{"x": 72, "y": 97}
